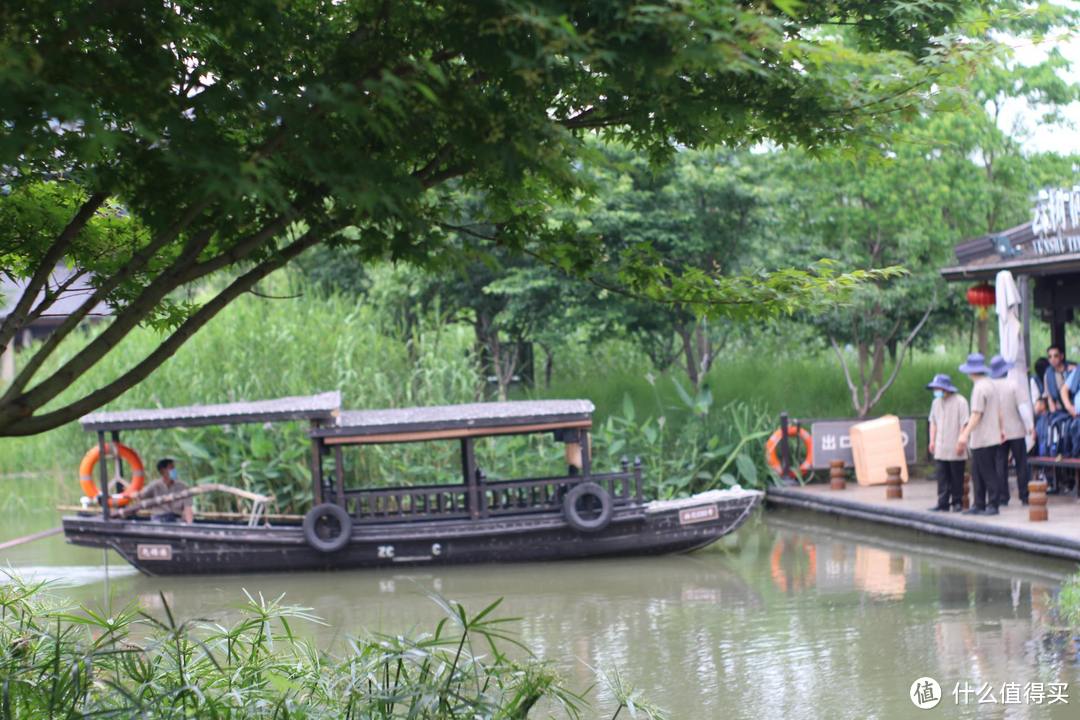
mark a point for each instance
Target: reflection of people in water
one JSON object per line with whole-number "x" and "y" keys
{"x": 800, "y": 557}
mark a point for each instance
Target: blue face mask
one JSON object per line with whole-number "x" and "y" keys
{"x": 172, "y": 473}
{"x": 939, "y": 393}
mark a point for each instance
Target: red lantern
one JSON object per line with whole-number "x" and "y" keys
{"x": 982, "y": 297}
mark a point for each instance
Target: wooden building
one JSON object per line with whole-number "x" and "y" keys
{"x": 1043, "y": 255}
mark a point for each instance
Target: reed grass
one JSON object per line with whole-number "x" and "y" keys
{"x": 1068, "y": 601}
{"x": 260, "y": 348}
{"x": 62, "y": 661}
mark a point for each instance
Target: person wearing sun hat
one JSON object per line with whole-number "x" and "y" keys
{"x": 983, "y": 433}
{"x": 1018, "y": 423}
{"x": 948, "y": 413}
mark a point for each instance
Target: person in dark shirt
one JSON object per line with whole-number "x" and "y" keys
{"x": 175, "y": 510}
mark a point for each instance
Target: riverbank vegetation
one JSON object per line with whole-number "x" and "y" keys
{"x": 62, "y": 661}
{"x": 1069, "y": 601}
{"x": 309, "y": 341}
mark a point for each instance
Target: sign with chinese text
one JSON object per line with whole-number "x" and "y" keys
{"x": 701, "y": 513}
{"x": 154, "y": 552}
{"x": 832, "y": 441}
{"x": 1056, "y": 221}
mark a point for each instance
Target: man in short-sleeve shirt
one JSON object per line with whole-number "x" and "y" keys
{"x": 983, "y": 434}
{"x": 1017, "y": 422}
{"x": 948, "y": 413}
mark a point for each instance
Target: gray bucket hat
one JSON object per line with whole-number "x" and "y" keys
{"x": 941, "y": 381}
{"x": 1000, "y": 367}
{"x": 975, "y": 365}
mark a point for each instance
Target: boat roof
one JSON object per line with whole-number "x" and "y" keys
{"x": 456, "y": 421}
{"x": 323, "y": 407}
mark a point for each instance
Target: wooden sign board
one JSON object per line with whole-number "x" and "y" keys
{"x": 702, "y": 513}
{"x": 832, "y": 441}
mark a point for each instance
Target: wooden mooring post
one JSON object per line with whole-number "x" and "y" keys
{"x": 837, "y": 475}
{"x": 1037, "y": 510}
{"x": 965, "y": 494}
{"x": 894, "y": 488}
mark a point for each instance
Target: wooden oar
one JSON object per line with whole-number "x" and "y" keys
{"x": 31, "y": 537}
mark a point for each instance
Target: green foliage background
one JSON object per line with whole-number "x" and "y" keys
{"x": 261, "y": 348}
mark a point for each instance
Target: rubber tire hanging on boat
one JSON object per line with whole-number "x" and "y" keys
{"x": 574, "y": 518}
{"x": 327, "y": 545}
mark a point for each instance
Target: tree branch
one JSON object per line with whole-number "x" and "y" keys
{"x": 51, "y": 296}
{"x": 847, "y": 374}
{"x": 903, "y": 350}
{"x": 136, "y": 263}
{"x": 56, "y": 252}
{"x": 72, "y": 411}
{"x": 183, "y": 270}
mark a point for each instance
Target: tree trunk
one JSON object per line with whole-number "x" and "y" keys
{"x": 549, "y": 362}
{"x": 689, "y": 355}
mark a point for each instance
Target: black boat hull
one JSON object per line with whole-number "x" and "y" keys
{"x": 216, "y": 548}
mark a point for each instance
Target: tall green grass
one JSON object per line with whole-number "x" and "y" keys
{"x": 59, "y": 661}
{"x": 262, "y": 348}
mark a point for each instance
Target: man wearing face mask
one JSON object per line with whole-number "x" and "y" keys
{"x": 948, "y": 413}
{"x": 174, "y": 510}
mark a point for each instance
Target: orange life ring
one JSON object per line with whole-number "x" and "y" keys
{"x": 773, "y": 443}
{"x": 138, "y": 473}
{"x": 776, "y": 568}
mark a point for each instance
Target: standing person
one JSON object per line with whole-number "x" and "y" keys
{"x": 983, "y": 433}
{"x": 167, "y": 484}
{"x": 1017, "y": 422}
{"x": 948, "y": 414}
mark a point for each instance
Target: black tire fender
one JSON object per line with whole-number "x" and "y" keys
{"x": 573, "y": 516}
{"x": 327, "y": 545}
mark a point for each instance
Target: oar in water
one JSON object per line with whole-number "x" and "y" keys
{"x": 31, "y": 537}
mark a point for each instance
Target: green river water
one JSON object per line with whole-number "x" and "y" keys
{"x": 795, "y": 616}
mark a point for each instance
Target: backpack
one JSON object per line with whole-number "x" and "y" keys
{"x": 1072, "y": 435}
{"x": 1059, "y": 433}
{"x": 1042, "y": 435}
{"x": 1050, "y": 429}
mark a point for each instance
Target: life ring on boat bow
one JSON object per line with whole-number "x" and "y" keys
{"x": 327, "y": 527}
{"x": 772, "y": 456}
{"x": 138, "y": 473}
{"x": 587, "y": 507}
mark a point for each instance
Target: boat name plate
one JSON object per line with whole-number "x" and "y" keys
{"x": 701, "y": 513}
{"x": 154, "y": 552}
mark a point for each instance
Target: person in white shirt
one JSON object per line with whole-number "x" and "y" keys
{"x": 948, "y": 414}
{"x": 1018, "y": 424}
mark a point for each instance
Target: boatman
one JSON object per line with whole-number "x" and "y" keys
{"x": 983, "y": 433}
{"x": 173, "y": 510}
{"x": 948, "y": 414}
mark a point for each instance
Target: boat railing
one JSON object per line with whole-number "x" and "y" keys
{"x": 495, "y": 497}
{"x": 408, "y": 503}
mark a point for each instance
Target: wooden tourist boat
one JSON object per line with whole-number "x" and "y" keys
{"x": 579, "y": 514}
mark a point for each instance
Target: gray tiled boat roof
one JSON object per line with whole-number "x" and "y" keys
{"x": 324, "y": 406}
{"x": 440, "y": 417}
